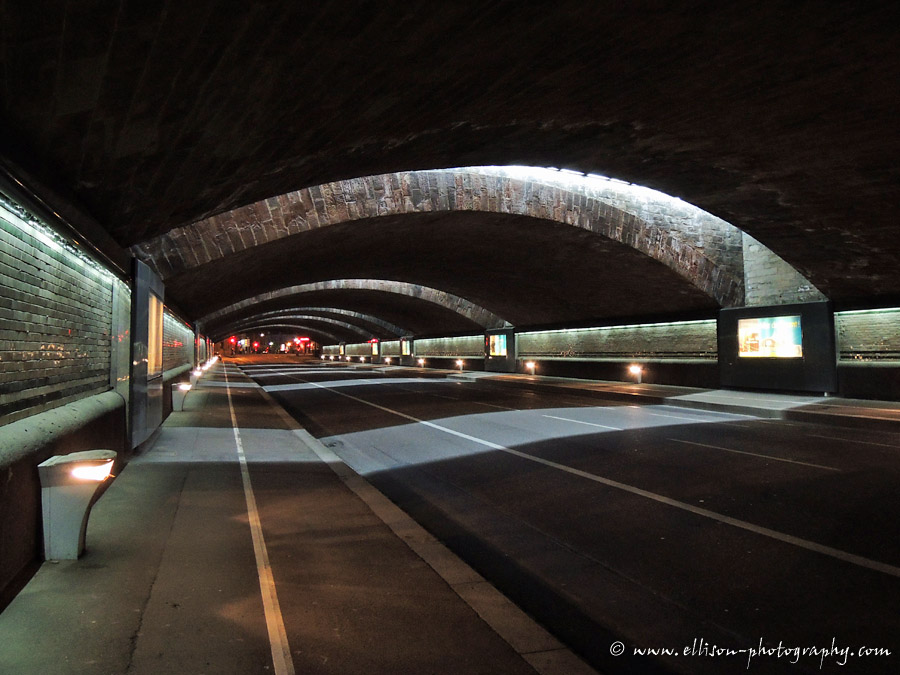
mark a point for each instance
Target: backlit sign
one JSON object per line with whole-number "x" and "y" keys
{"x": 497, "y": 345}
{"x": 770, "y": 337}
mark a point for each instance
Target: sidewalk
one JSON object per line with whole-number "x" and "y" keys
{"x": 883, "y": 415}
{"x": 171, "y": 579}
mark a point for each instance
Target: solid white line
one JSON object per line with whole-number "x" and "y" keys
{"x": 590, "y": 424}
{"x": 755, "y": 454}
{"x": 838, "y": 554}
{"x": 281, "y": 651}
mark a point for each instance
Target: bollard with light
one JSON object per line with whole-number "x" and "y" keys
{"x": 530, "y": 365}
{"x": 68, "y": 486}
{"x": 460, "y": 364}
{"x": 421, "y": 363}
{"x": 637, "y": 371}
{"x": 178, "y": 395}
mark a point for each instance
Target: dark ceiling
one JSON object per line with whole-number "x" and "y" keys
{"x": 779, "y": 117}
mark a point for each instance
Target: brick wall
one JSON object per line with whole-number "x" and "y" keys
{"x": 178, "y": 342}
{"x": 359, "y": 349}
{"x": 468, "y": 345}
{"x": 871, "y": 335}
{"x": 683, "y": 340}
{"x": 769, "y": 280}
{"x": 390, "y": 348}
{"x": 56, "y": 316}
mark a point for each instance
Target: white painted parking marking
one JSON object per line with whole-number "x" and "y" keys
{"x": 281, "y": 651}
{"x": 754, "y": 454}
{"x": 835, "y": 553}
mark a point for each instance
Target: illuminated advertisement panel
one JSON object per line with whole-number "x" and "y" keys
{"x": 404, "y": 348}
{"x": 497, "y": 345}
{"x": 770, "y": 337}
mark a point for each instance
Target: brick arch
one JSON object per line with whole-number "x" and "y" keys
{"x": 700, "y": 247}
{"x": 254, "y": 326}
{"x": 358, "y": 320}
{"x": 301, "y": 318}
{"x": 469, "y": 310}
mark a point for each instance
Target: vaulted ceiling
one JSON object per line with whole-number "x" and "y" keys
{"x": 777, "y": 117}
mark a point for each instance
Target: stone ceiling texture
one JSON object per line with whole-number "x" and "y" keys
{"x": 778, "y": 117}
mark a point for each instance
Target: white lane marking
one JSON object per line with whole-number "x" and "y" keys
{"x": 590, "y": 424}
{"x": 835, "y": 553}
{"x": 493, "y": 405}
{"x": 694, "y": 418}
{"x": 754, "y": 454}
{"x": 281, "y": 651}
{"x": 853, "y": 440}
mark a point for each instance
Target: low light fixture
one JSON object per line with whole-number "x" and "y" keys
{"x": 637, "y": 371}
{"x": 421, "y": 363}
{"x": 530, "y": 366}
{"x": 460, "y": 364}
{"x": 95, "y": 472}
{"x": 387, "y": 360}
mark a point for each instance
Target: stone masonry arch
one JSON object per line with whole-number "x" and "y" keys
{"x": 700, "y": 247}
{"x": 461, "y": 306}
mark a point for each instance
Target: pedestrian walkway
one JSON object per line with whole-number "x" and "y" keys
{"x": 235, "y": 543}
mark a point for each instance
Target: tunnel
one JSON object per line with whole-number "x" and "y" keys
{"x": 391, "y": 233}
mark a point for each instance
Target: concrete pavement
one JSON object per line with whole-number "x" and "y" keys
{"x": 172, "y": 580}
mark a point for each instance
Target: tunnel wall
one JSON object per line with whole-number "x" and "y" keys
{"x": 675, "y": 340}
{"x": 56, "y": 309}
{"x": 466, "y": 346}
{"x": 178, "y": 342}
{"x": 868, "y": 344}
{"x": 359, "y": 349}
{"x": 390, "y": 348}
{"x": 680, "y": 353}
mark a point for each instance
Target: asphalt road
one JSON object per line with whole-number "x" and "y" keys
{"x": 722, "y": 542}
